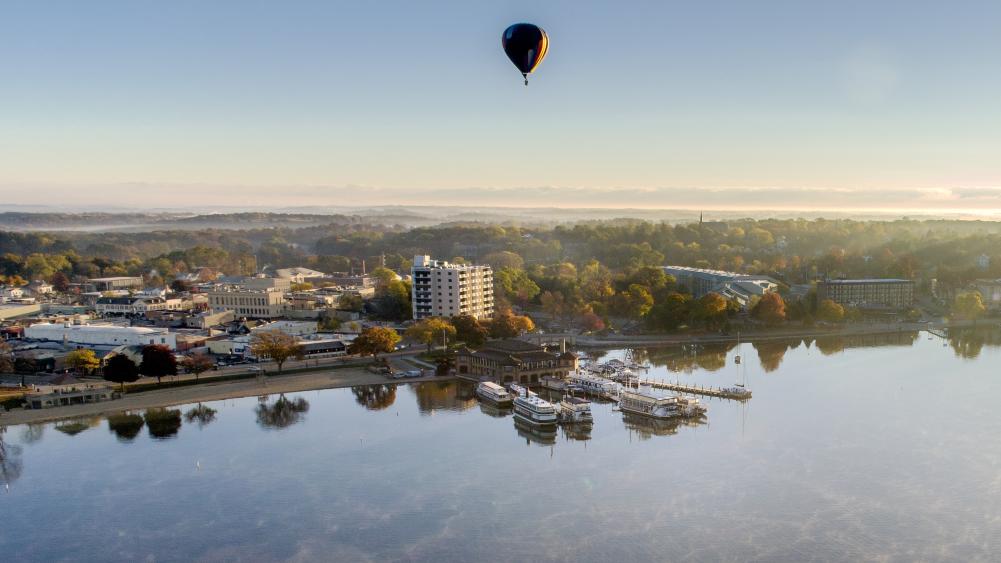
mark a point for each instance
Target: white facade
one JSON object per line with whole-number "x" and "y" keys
{"x": 108, "y": 335}
{"x": 441, "y": 289}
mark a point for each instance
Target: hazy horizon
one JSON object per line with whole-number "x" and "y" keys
{"x": 849, "y": 107}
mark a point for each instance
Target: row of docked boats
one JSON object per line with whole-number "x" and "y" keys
{"x": 530, "y": 408}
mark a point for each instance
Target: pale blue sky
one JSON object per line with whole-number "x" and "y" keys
{"x": 410, "y": 98}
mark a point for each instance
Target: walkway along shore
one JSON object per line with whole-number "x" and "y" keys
{"x": 208, "y": 390}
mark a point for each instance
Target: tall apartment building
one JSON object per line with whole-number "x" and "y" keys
{"x": 868, "y": 293}
{"x": 441, "y": 289}
{"x": 258, "y": 304}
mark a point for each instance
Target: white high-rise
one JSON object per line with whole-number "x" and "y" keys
{"x": 441, "y": 289}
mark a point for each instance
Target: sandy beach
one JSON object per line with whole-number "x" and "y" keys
{"x": 209, "y": 391}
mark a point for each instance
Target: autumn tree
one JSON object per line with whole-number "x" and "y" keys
{"x": 829, "y": 311}
{"x": 60, "y": 282}
{"x": 430, "y": 330}
{"x": 508, "y": 325}
{"x": 6, "y": 361}
{"x": 633, "y": 303}
{"x": 969, "y": 305}
{"x": 373, "y": 341}
{"x": 157, "y": 361}
{"x": 504, "y": 260}
{"x": 770, "y": 309}
{"x": 121, "y": 369}
{"x": 710, "y": 310}
{"x": 468, "y": 329}
{"x": 198, "y": 363}
{"x": 276, "y": 345}
{"x": 83, "y": 360}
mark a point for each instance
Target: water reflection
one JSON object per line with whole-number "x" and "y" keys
{"x": 32, "y": 433}
{"x": 542, "y": 435}
{"x": 771, "y": 352}
{"x": 968, "y": 343}
{"x": 162, "y": 423}
{"x": 74, "y": 426}
{"x": 576, "y": 432}
{"x": 444, "y": 395}
{"x": 646, "y": 428}
{"x": 282, "y": 413}
{"x": 126, "y": 426}
{"x": 375, "y": 397}
{"x": 687, "y": 358}
{"x": 494, "y": 411}
{"x": 201, "y": 414}
{"x": 10, "y": 460}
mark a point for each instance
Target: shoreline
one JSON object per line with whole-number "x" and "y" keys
{"x": 211, "y": 391}
{"x": 644, "y": 341}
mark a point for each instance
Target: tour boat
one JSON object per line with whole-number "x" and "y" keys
{"x": 574, "y": 410}
{"x": 644, "y": 403}
{"x": 490, "y": 391}
{"x": 534, "y": 410}
{"x": 519, "y": 391}
{"x": 594, "y": 385}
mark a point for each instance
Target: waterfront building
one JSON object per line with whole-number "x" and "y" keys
{"x": 441, "y": 289}
{"x": 506, "y": 361}
{"x": 100, "y": 334}
{"x": 251, "y": 303}
{"x": 868, "y": 293}
{"x": 116, "y": 283}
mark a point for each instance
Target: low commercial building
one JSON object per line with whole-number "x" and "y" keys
{"x": 250, "y": 303}
{"x": 101, "y": 335}
{"x": 507, "y": 361}
{"x": 868, "y": 293}
{"x": 299, "y": 329}
{"x": 138, "y": 305}
{"x": 114, "y": 283}
{"x": 73, "y": 396}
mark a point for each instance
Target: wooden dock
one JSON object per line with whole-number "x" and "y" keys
{"x": 710, "y": 391}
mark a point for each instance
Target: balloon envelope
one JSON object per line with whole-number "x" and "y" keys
{"x": 526, "y": 46}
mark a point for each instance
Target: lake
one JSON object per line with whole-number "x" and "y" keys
{"x": 868, "y": 448}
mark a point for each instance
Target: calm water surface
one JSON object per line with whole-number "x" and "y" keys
{"x": 884, "y": 448}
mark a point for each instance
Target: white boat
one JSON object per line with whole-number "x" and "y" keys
{"x": 594, "y": 385}
{"x": 643, "y": 402}
{"x": 574, "y": 410}
{"x": 534, "y": 410}
{"x": 493, "y": 393}
{"x": 519, "y": 391}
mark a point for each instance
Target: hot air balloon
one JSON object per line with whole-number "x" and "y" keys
{"x": 526, "y": 46}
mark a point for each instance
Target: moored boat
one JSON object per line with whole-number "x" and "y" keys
{"x": 598, "y": 386}
{"x": 643, "y": 402}
{"x": 489, "y": 391}
{"x": 534, "y": 410}
{"x": 574, "y": 410}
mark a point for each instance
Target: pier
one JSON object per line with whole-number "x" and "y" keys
{"x": 735, "y": 394}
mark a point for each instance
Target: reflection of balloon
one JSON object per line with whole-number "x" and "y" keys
{"x": 526, "y": 46}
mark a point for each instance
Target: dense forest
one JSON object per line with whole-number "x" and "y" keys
{"x": 584, "y": 272}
